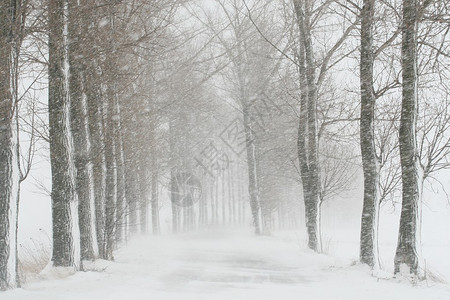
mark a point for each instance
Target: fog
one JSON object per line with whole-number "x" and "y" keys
{"x": 224, "y": 149}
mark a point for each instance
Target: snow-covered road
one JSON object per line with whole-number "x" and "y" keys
{"x": 222, "y": 265}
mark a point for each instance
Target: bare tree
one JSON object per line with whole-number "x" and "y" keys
{"x": 311, "y": 76}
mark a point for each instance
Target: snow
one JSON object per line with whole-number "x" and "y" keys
{"x": 219, "y": 264}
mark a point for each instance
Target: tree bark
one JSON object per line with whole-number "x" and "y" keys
{"x": 307, "y": 133}
{"x": 81, "y": 136}
{"x": 66, "y": 234}
{"x": 409, "y": 245}
{"x": 369, "y": 218}
{"x": 111, "y": 176}
{"x": 9, "y": 172}
{"x": 121, "y": 229}
{"x": 97, "y": 153}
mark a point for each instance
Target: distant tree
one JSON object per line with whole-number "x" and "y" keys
{"x": 250, "y": 77}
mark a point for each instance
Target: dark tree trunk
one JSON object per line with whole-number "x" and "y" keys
{"x": 111, "y": 176}
{"x": 97, "y": 155}
{"x": 66, "y": 252}
{"x": 111, "y": 117}
{"x": 314, "y": 183}
{"x": 80, "y": 132}
{"x": 121, "y": 229}
{"x": 369, "y": 218}
{"x": 408, "y": 247}
{"x": 307, "y": 133}
{"x": 131, "y": 164}
{"x": 131, "y": 180}
{"x": 9, "y": 173}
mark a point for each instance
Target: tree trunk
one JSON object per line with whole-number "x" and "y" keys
{"x": 213, "y": 203}
{"x": 175, "y": 208}
{"x": 9, "y": 172}
{"x": 204, "y": 205}
{"x": 252, "y": 173}
{"x": 368, "y": 238}
{"x": 97, "y": 155}
{"x": 131, "y": 180}
{"x": 307, "y": 133}
{"x": 155, "y": 203}
{"x": 111, "y": 176}
{"x": 121, "y": 229}
{"x": 231, "y": 207}
{"x": 313, "y": 202}
{"x": 81, "y": 137}
{"x": 409, "y": 248}
{"x": 241, "y": 202}
{"x": 216, "y": 200}
{"x": 224, "y": 211}
{"x": 143, "y": 189}
{"x": 66, "y": 234}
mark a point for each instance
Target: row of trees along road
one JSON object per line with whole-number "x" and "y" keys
{"x": 274, "y": 106}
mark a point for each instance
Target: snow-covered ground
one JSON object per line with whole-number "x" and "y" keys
{"x": 220, "y": 264}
